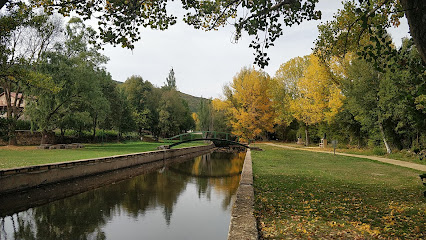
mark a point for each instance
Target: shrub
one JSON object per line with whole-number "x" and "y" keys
{"x": 3, "y": 129}
{"x": 23, "y": 125}
{"x": 379, "y": 151}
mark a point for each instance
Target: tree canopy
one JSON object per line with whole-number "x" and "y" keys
{"x": 119, "y": 21}
{"x": 248, "y": 104}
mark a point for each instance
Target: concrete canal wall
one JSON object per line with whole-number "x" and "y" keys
{"x": 243, "y": 223}
{"x": 17, "y": 179}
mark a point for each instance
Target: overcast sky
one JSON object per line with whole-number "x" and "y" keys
{"x": 205, "y": 61}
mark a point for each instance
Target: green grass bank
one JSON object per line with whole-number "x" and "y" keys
{"x": 403, "y": 155}
{"x": 21, "y": 156}
{"x": 300, "y": 194}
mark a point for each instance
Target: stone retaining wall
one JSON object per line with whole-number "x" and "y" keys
{"x": 28, "y": 177}
{"x": 243, "y": 223}
{"x": 26, "y": 137}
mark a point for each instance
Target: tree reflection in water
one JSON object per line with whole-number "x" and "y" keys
{"x": 85, "y": 215}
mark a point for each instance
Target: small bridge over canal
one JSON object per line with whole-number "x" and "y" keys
{"x": 219, "y": 139}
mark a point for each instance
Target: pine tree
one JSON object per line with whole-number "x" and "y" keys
{"x": 170, "y": 81}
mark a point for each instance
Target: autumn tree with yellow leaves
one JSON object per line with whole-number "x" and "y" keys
{"x": 284, "y": 88}
{"x": 318, "y": 98}
{"x": 249, "y": 105}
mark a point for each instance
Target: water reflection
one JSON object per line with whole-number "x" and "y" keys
{"x": 175, "y": 203}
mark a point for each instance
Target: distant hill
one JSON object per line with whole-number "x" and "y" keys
{"x": 193, "y": 102}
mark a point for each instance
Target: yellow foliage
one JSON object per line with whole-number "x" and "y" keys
{"x": 196, "y": 119}
{"x": 319, "y": 98}
{"x": 284, "y": 88}
{"x": 219, "y": 105}
{"x": 249, "y": 104}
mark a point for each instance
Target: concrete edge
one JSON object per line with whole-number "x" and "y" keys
{"x": 12, "y": 180}
{"x": 243, "y": 223}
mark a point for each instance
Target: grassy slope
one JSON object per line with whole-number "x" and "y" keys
{"x": 193, "y": 102}
{"x": 302, "y": 194}
{"x": 26, "y": 156}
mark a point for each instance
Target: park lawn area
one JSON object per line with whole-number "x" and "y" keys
{"x": 397, "y": 155}
{"x": 308, "y": 195}
{"x": 21, "y": 156}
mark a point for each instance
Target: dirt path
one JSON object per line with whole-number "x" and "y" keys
{"x": 380, "y": 159}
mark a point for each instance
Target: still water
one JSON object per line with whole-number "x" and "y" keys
{"x": 190, "y": 199}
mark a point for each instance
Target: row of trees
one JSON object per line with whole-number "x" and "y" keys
{"x": 159, "y": 110}
{"x": 356, "y": 87}
{"x": 59, "y": 74}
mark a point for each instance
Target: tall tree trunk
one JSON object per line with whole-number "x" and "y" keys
{"x": 415, "y": 11}
{"x": 12, "y": 132}
{"x": 43, "y": 136}
{"x": 306, "y": 136}
{"x": 11, "y": 122}
{"x": 62, "y": 135}
{"x": 80, "y": 131}
{"x": 388, "y": 149}
{"x": 95, "y": 121}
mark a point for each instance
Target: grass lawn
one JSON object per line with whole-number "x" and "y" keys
{"x": 300, "y": 194}
{"x": 367, "y": 152}
{"x": 21, "y": 156}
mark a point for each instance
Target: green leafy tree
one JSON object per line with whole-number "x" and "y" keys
{"x": 73, "y": 67}
{"x": 96, "y": 103}
{"x": 205, "y": 116}
{"x": 174, "y": 114}
{"x": 24, "y": 37}
{"x": 120, "y": 114}
{"x": 361, "y": 27}
{"x": 170, "y": 81}
{"x": 139, "y": 94}
{"x": 123, "y": 121}
{"x": 378, "y": 93}
{"x": 221, "y": 118}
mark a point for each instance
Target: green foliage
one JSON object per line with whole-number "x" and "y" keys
{"x": 174, "y": 115}
{"x": 379, "y": 151}
{"x": 119, "y": 22}
{"x": 3, "y": 129}
{"x": 360, "y": 27}
{"x": 205, "y": 115}
{"x": 265, "y": 21}
{"x": 24, "y": 37}
{"x": 79, "y": 100}
{"x": 170, "y": 83}
{"x": 262, "y": 19}
{"x": 143, "y": 100}
{"x": 23, "y": 125}
{"x": 193, "y": 102}
{"x": 388, "y": 98}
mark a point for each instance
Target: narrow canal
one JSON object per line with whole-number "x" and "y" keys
{"x": 189, "y": 199}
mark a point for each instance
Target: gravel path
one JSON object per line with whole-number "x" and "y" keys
{"x": 380, "y": 159}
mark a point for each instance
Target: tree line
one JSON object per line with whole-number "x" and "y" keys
{"x": 356, "y": 87}
{"x": 59, "y": 74}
